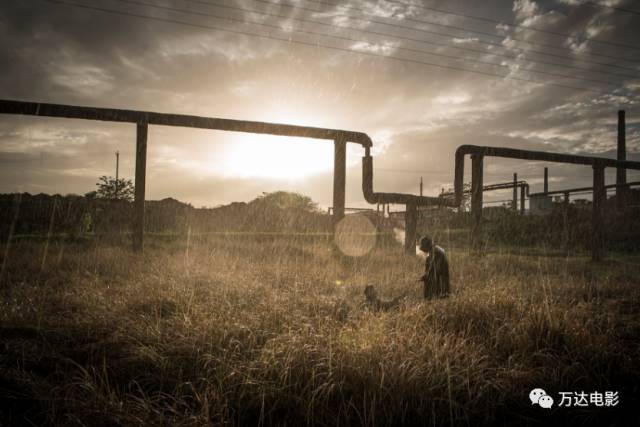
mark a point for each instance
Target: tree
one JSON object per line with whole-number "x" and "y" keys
{"x": 110, "y": 189}
{"x": 286, "y": 200}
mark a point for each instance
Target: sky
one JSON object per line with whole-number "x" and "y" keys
{"x": 419, "y": 77}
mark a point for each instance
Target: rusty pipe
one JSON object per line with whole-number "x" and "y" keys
{"x": 491, "y": 187}
{"x": 585, "y": 189}
{"x": 513, "y": 153}
{"x": 180, "y": 120}
{"x": 398, "y": 198}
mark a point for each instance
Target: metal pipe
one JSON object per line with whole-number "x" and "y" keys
{"x": 491, "y": 187}
{"x": 583, "y": 189}
{"x": 145, "y": 118}
{"x": 621, "y": 174}
{"x": 397, "y": 198}
{"x": 512, "y": 153}
{"x": 412, "y": 202}
{"x": 476, "y": 200}
{"x": 410, "y": 227}
{"x": 339, "y": 178}
{"x": 514, "y": 204}
{"x": 142, "y": 130}
{"x": 180, "y": 120}
{"x": 598, "y": 164}
{"x": 599, "y": 197}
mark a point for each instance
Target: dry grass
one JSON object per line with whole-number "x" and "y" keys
{"x": 248, "y": 332}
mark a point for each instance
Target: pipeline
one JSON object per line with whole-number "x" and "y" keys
{"x": 492, "y": 187}
{"x": 145, "y": 118}
{"x": 477, "y": 157}
{"x": 398, "y": 198}
{"x": 180, "y": 120}
{"x": 512, "y": 153}
{"x": 584, "y": 189}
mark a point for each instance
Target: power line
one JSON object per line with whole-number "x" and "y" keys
{"x": 484, "y": 42}
{"x": 606, "y": 6}
{"x": 316, "y": 45}
{"x": 455, "y": 27}
{"x": 352, "y": 40}
{"x": 514, "y": 25}
{"x": 410, "y": 39}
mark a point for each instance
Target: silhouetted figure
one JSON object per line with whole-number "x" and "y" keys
{"x": 376, "y": 304}
{"x": 436, "y": 277}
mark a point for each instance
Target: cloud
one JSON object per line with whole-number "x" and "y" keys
{"x": 417, "y": 115}
{"x": 525, "y": 9}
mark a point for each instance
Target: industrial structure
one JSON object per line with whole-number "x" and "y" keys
{"x": 142, "y": 120}
{"x": 478, "y": 153}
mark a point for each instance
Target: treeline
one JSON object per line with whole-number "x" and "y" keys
{"x": 77, "y": 215}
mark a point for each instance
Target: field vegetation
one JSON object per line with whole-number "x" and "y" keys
{"x": 264, "y": 330}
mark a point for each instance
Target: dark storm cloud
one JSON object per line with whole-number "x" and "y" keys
{"x": 416, "y": 114}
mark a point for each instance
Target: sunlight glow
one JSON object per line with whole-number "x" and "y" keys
{"x": 276, "y": 157}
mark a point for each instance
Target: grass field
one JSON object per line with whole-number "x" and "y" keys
{"x": 271, "y": 331}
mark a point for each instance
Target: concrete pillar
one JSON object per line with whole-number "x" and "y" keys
{"x": 546, "y": 180}
{"x": 339, "y": 178}
{"x": 139, "y": 193}
{"x": 476, "y": 200}
{"x": 599, "y": 198}
{"x": 522, "y": 197}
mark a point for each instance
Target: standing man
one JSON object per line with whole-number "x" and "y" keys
{"x": 436, "y": 277}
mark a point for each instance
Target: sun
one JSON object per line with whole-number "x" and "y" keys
{"x": 275, "y": 157}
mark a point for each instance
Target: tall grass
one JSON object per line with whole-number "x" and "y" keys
{"x": 273, "y": 331}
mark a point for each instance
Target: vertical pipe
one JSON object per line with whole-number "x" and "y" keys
{"x": 458, "y": 180}
{"x": 420, "y": 186}
{"x": 546, "y": 180}
{"x": 476, "y": 200}
{"x": 515, "y": 192}
{"x": 117, "y": 171}
{"x": 141, "y": 167}
{"x": 621, "y": 173}
{"x": 599, "y": 198}
{"x": 411, "y": 220}
{"x": 339, "y": 177}
{"x": 522, "y": 197}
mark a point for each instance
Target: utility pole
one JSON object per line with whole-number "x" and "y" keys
{"x": 420, "y": 186}
{"x": 117, "y": 169}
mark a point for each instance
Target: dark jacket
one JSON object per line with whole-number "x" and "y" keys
{"x": 436, "y": 278}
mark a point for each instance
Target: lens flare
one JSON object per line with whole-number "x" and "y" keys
{"x": 355, "y": 235}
